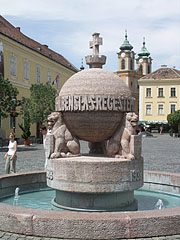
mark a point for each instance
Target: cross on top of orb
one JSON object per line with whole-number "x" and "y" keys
{"x": 94, "y": 44}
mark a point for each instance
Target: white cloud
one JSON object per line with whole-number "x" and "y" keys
{"x": 157, "y": 20}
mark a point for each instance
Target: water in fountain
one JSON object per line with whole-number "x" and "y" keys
{"x": 159, "y": 204}
{"x": 147, "y": 200}
{"x": 16, "y": 197}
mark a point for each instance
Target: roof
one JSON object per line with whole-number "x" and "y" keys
{"x": 126, "y": 45}
{"x": 144, "y": 52}
{"x": 14, "y": 33}
{"x": 163, "y": 73}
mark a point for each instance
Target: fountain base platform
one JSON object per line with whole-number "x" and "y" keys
{"x": 112, "y": 202}
{"x": 89, "y": 183}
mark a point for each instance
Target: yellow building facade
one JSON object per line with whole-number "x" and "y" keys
{"x": 159, "y": 95}
{"x": 27, "y": 62}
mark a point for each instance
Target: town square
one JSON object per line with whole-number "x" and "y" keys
{"x": 90, "y": 120}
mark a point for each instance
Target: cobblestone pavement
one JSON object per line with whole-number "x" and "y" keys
{"x": 161, "y": 153}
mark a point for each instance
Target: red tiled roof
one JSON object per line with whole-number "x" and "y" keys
{"x": 14, "y": 33}
{"x": 163, "y": 73}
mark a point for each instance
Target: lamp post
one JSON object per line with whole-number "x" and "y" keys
{"x": 14, "y": 115}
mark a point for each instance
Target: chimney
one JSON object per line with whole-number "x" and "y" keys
{"x": 18, "y": 28}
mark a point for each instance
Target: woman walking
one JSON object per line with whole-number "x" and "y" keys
{"x": 10, "y": 156}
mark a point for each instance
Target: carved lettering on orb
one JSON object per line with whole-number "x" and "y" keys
{"x": 96, "y": 103}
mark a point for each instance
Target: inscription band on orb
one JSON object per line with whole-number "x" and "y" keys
{"x": 94, "y": 103}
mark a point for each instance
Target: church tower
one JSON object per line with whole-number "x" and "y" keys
{"x": 144, "y": 61}
{"x": 126, "y": 56}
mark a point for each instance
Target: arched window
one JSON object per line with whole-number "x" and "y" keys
{"x": 131, "y": 64}
{"x": 140, "y": 68}
{"x": 149, "y": 68}
{"x": 122, "y": 64}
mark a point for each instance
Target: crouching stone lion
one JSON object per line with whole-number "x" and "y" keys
{"x": 60, "y": 142}
{"x": 119, "y": 144}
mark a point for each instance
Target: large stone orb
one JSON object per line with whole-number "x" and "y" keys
{"x": 89, "y": 103}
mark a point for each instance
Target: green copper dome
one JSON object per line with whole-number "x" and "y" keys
{"x": 126, "y": 45}
{"x": 144, "y": 52}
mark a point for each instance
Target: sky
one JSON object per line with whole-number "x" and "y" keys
{"x": 66, "y": 26}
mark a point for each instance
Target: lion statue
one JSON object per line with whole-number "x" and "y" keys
{"x": 64, "y": 144}
{"x": 119, "y": 144}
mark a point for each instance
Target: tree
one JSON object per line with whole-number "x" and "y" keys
{"x": 42, "y": 102}
{"x": 8, "y": 98}
{"x": 26, "y": 133}
{"x": 174, "y": 120}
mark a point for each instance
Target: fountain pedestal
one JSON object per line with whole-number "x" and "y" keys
{"x": 95, "y": 183}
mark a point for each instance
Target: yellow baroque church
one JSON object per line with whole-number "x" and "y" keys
{"x": 130, "y": 72}
{"x": 24, "y": 62}
{"x": 159, "y": 95}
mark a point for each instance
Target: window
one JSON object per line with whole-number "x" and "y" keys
{"x": 149, "y": 68}
{"x": 141, "y": 68}
{"x": 123, "y": 64}
{"x": 58, "y": 82}
{"x": 160, "y": 109}
{"x": 26, "y": 70}
{"x": 148, "y": 109}
{"x": 49, "y": 77}
{"x": 173, "y": 108}
{"x": 38, "y": 74}
{"x": 148, "y": 92}
{"x": 160, "y": 92}
{"x": 173, "y": 92}
{"x": 13, "y": 65}
{"x": 131, "y": 64}
{"x": 0, "y": 122}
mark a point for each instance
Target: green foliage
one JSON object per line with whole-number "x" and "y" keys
{"x": 25, "y": 102}
{"x": 25, "y": 111}
{"x": 25, "y": 129}
{"x": 42, "y": 102}
{"x": 8, "y": 97}
{"x": 174, "y": 118}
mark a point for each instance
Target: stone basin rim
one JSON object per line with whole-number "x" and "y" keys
{"x": 37, "y": 222}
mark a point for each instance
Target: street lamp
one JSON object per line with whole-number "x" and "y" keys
{"x": 14, "y": 115}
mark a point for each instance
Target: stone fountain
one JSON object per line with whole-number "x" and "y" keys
{"x": 96, "y": 106}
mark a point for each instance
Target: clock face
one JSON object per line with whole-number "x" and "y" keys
{"x": 123, "y": 54}
{"x": 140, "y": 60}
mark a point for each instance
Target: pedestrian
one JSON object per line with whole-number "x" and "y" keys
{"x": 161, "y": 129}
{"x": 43, "y": 131}
{"x": 10, "y": 156}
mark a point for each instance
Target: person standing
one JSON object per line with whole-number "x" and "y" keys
{"x": 161, "y": 129}
{"x": 43, "y": 131}
{"x": 10, "y": 156}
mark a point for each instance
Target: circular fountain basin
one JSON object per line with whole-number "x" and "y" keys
{"x": 84, "y": 225}
{"x": 43, "y": 198}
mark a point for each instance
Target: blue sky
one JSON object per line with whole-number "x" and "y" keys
{"x": 66, "y": 26}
